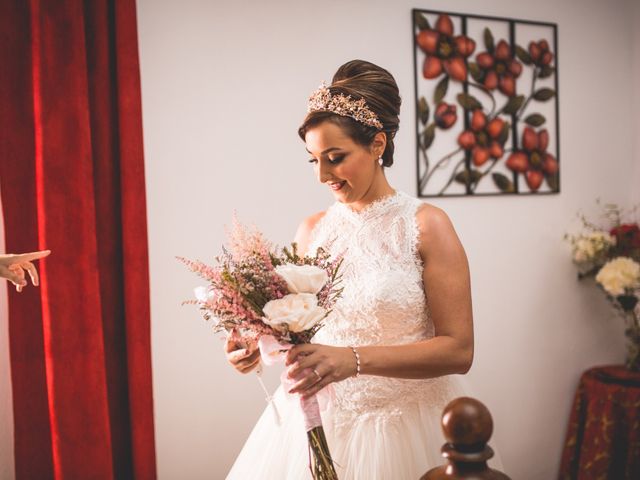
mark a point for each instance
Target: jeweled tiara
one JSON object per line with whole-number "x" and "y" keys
{"x": 322, "y": 100}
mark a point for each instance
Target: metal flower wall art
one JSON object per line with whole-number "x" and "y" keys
{"x": 487, "y": 105}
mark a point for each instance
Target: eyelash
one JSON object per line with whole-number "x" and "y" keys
{"x": 334, "y": 161}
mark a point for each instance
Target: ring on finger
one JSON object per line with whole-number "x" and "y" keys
{"x": 317, "y": 374}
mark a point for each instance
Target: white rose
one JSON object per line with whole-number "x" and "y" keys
{"x": 203, "y": 294}
{"x": 303, "y": 278}
{"x": 618, "y": 275}
{"x": 299, "y": 311}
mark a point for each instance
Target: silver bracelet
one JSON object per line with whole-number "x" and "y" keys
{"x": 355, "y": 352}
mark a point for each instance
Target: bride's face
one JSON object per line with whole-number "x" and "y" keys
{"x": 346, "y": 167}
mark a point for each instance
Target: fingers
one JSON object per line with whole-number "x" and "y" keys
{"x": 33, "y": 273}
{"x": 231, "y": 343}
{"x": 315, "y": 388}
{"x": 18, "y": 275}
{"x": 234, "y": 342}
{"x": 250, "y": 366}
{"x": 310, "y": 379}
{"x": 14, "y": 276}
{"x": 302, "y": 362}
{"x": 244, "y": 360}
{"x": 13, "y": 267}
{"x": 237, "y": 355}
{"x": 29, "y": 257}
{"x": 298, "y": 350}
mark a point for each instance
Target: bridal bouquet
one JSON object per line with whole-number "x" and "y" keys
{"x": 611, "y": 254}
{"x": 274, "y": 298}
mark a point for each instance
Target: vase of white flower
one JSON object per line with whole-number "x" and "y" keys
{"x": 613, "y": 257}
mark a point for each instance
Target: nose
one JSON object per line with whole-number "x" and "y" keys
{"x": 323, "y": 171}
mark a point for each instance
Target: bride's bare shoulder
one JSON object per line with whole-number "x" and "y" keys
{"x": 437, "y": 233}
{"x": 303, "y": 235}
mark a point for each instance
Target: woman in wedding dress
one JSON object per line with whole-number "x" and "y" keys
{"x": 394, "y": 345}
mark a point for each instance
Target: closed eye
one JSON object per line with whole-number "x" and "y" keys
{"x": 332, "y": 161}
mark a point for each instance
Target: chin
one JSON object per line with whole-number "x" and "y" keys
{"x": 342, "y": 197}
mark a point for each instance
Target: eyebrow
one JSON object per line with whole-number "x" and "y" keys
{"x": 331, "y": 149}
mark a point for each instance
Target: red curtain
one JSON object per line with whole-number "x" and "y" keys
{"x": 72, "y": 180}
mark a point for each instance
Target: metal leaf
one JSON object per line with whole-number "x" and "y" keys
{"x": 475, "y": 71}
{"x": 467, "y": 177}
{"x": 504, "y": 133}
{"x": 423, "y": 110}
{"x": 468, "y": 102}
{"x": 544, "y": 94}
{"x": 553, "y": 181}
{"x": 535, "y": 120}
{"x": 441, "y": 90}
{"x": 488, "y": 40}
{"x": 523, "y": 55}
{"x": 428, "y": 135}
{"x": 546, "y": 71}
{"x": 503, "y": 183}
{"x": 421, "y": 21}
{"x": 513, "y": 105}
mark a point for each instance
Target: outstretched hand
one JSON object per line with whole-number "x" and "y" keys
{"x": 318, "y": 366}
{"x": 13, "y": 268}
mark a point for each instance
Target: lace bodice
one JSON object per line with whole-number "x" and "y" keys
{"x": 383, "y": 302}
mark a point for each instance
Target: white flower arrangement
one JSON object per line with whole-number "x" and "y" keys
{"x": 619, "y": 276}
{"x": 612, "y": 256}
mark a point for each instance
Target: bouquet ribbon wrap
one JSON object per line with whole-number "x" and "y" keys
{"x": 272, "y": 352}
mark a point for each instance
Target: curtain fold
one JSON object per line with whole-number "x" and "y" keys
{"x": 72, "y": 180}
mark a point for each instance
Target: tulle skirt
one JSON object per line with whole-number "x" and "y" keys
{"x": 401, "y": 445}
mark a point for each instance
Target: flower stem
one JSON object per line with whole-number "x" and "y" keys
{"x": 320, "y": 461}
{"x": 483, "y": 174}
{"x": 452, "y": 177}
{"x": 441, "y": 164}
{"x": 488, "y": 93}
{"x": 526, "y": 102}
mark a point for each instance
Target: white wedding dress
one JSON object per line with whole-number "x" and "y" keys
{"x": 377, "y": 428}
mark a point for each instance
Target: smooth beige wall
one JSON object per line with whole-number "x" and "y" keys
{"x": 224, "y": 88}
{"x": 634, "y": 24}
{"x": 7, "y": 467}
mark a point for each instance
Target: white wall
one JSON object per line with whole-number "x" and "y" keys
{"x": 7, "y": 467}
{"x": 634, "y": 22}
{"x": 224, "y": 88}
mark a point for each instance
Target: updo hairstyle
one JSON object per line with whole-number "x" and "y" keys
{"x": 361, "y": 79}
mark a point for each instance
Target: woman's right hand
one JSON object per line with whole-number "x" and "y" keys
{"x": 242, "y": 356}
{"x": 13, "y": 268}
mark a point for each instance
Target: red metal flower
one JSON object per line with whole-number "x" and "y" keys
{"x": 539, "y": 52}
{"x": 445, "y": 115}
{"x": 444, "y": 51}
{"x": 483, "y": 138}
{"x": 533, "y": 160}
{"x": 499, "y": 69}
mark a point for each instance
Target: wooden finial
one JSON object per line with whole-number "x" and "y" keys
{"x": 467, "y": 427}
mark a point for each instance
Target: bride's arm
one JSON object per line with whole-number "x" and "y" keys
{"x": 447, "y": 287}
{"x": 446, "y": 282}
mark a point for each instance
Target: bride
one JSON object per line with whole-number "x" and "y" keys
{"x": 403, "y": 326}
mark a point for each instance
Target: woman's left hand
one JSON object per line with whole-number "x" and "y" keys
{"x": 317, "y": 366}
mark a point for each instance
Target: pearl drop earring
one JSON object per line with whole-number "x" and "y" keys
{"x": 380, "y": 160}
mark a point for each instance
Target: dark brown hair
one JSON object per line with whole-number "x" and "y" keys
{"x": 361, "y": 79}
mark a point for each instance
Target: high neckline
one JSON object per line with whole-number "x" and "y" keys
{"x": 371, "y": 208}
